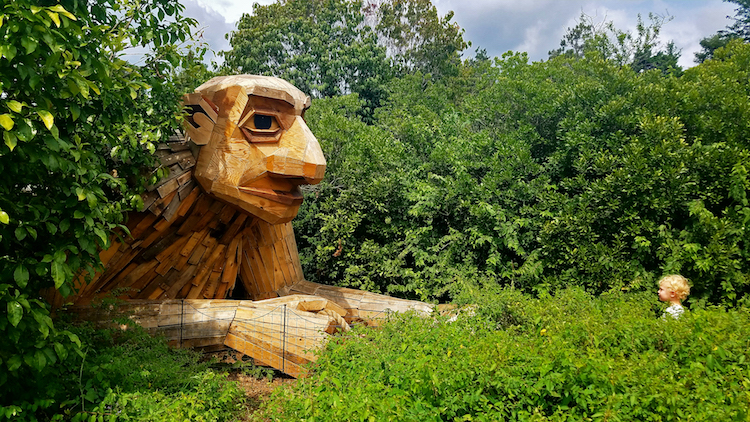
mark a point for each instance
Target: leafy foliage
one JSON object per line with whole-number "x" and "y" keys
{"x": 739, "y": 30}
{"x": 126, "y": 374}
{"x": 335, "y": 47}
{"x": 416, "y": 37}
{"x": 570, "y": 171}
{"x": 641, "y": 51}
{"x": 556, "y": 358}
{"x": 320, "y": 46}
{"x": 78, "y": 125}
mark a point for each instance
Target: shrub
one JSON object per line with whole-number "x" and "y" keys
{"x": 565, "y": 357}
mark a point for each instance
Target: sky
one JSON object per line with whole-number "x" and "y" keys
{"x": 532, "y": 26}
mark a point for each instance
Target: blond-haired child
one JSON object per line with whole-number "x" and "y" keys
{"x": 673, "y": 289}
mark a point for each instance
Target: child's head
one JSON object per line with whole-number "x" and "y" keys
{"x": 673, "y": 287}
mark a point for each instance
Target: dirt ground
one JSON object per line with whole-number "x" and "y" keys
{"x": 257, "y": 389}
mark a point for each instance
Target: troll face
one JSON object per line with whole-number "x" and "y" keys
{"x": 255, "y": 147}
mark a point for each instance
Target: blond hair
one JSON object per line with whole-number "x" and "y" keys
{"x": 677, "y": 284}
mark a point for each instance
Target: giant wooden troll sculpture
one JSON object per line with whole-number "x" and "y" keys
{"x": 221, "y": 220}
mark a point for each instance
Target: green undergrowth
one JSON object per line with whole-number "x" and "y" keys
{"x": 124, "y": 374}
{"x": 563, "y": 357}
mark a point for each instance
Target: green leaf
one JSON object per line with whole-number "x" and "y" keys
{"x": 14, "y": 363}
{"x": 10, "y": 140}
{"x": 6, "y": 121}
{"x": 29, "y": 44}
{"x": 15, "y": 106}
{"x": 42, "y": 320}
{"x": 46, "y": 118}
{"x": 20, "y": 233}
{"x": 58, "y": 273}
{"x": 61, "y": 10}
{"x": 15, "y": 312}
{"x": 55, "y": 18}
{"x": 75, "y": 111}
{"x": 21, "y": 275}
{"x": 61, "y": 351}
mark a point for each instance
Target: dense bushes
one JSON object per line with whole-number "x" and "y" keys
{"x": 565, "y": 172}
{"x": 559, "y": 358}
{"x": 122, "y": 373}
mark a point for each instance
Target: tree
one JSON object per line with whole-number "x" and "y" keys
{"x": 740, "y": 29}
{"x": 741, "y": 26}
{"x": 416, "y": 37}
{"x": 641, "y": 50}
{"x": 78, "y": 125}
{"x": 321, "y": 46}
{"x": 335, "y": 47}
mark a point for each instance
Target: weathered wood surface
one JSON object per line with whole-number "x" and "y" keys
{"x": 282, "y": 332}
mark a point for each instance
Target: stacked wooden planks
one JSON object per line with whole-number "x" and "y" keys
{"x": 285, "y": 332}
{"x": 282, "y": 333}
{"x": 185, "y": 244}
{"x": 360, "y": 305}
{"x": 184, "y": 323}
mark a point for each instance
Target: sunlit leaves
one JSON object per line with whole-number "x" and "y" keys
{"x": 47, "y": 118}
{"x": 6, "y": 121}
{"x": 67, "y": 101}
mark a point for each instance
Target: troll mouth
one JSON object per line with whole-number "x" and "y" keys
{"x": 293, "y": 197}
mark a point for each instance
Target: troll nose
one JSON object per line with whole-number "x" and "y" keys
{"x": 299, "y": 155}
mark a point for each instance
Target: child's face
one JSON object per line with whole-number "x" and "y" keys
{"x": 665, "y": 295}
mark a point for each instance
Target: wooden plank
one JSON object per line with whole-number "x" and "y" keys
{"x": 175, "y": 158}
{"x": 138, "y": 272}
{"x": 170, "y": 254}
{"x": 145, "y": 224}
{"x": 161, "y": 204}
{"x": 284, "y": 265}
{"x": 234, "y": 228}
{"x": 195, "y": 239}
{"x": 152, "y": 251}
{"x": 107, "y": 254}
{"x": 261, "y": 277}
{"x": 171, "y": 211}
{"x": 162, "y": 229}
{"x": 227, "y": 213}
{"x": 185, "y": 178}
{"x": 204, "y": 273}
{"x": 141, "y": 283}
{"x": 188, "y": 202}
{"x": 213, "y": 283}
{"x": 248, "y": 276}
{"x": 229, "y": 274}
{"x": 154, "y": 287}
{"x": 200, "y": 208}
{"x": 168, "y": 187}
{"x": 148, "y": 199}
{"x": 185, "y": 277}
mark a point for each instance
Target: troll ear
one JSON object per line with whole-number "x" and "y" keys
{"x": 201, "y": 117}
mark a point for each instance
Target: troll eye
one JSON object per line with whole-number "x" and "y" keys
{"x": 263, "y": 122}
{"x": 261, "y": 128}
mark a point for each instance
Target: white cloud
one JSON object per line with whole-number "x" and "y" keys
{"x": 534, "y": 26}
